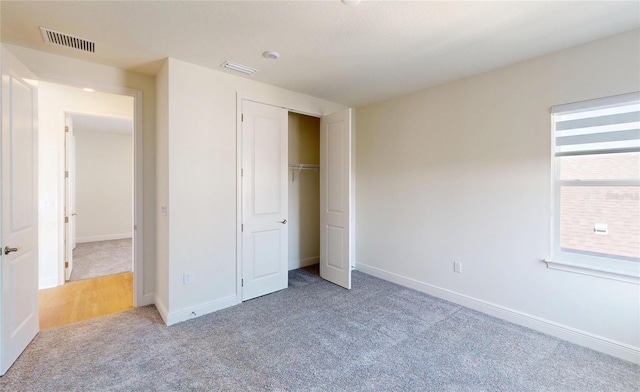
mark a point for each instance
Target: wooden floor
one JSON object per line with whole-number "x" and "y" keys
{"x": 85, "y": 299}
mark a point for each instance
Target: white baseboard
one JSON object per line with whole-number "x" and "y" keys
{"x": 105, "y": 237}
{"x": 303, "y": 263}
{"x": 199, "y": 310}
{"x": 573, "y": 335}
{"x": 162, "y": 309}
{"x": 46, "y": 283}
{"x": 147, "y": 299}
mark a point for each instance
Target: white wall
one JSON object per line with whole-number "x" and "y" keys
{"x": 104, "y": 185}
{"x": 53, "y": 101}
{"x": 304, "y": 192}
{"x": 201, "y": 151}
{"x": 65, "y": 70}
{"x": 461, "y": 172}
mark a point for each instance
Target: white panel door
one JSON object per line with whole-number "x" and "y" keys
{"x": 335, "y": 198}
{"x": 18, "y": 235}
{"x": 264, "y": 199}
{"x": 70, "y": 196}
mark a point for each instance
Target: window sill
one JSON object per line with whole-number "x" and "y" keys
{"x": 624, "y": 271}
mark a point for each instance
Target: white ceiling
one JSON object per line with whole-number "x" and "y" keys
{"x": 93, "y": 123}
{"x": 350, "y": 55}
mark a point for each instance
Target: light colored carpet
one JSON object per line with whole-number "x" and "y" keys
{"x": 93, "y": 259}
{"x": 315, "y": 336}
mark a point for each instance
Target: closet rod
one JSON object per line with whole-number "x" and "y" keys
{"x": 301, "y": 166}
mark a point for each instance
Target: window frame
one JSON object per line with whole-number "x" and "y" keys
{"x": 599, "y": 266}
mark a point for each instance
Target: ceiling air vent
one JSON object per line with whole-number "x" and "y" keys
{"x": 62, "y": 39}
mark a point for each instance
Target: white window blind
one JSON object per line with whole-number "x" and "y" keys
{"x": 599, "y": 126}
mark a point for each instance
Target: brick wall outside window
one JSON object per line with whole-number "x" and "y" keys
{"x": 582, "y": 207}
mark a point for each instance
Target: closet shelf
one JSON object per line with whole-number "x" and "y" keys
{"x": 298, "y": 167}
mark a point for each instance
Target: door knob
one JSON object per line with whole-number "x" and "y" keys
{"x": 284, "y": 221}
{"x": 8, "y": 250}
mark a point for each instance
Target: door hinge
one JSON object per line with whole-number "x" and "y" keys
{"x": 241, "y": 282}
{"x": 242, "y": 117}
{"x": 241, "y": 172}
{"x": 66, "y": 128}
{"x": 66, "y": 174}
{"x": 242, "y": 227}
{"x": 135, "y": 227}
{"x": 66, "y": 219}
{"x": 66, "y": 264}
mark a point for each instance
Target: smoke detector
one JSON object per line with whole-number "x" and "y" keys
{"x": 271, "y": 55}
{"x": 67, "y": 40}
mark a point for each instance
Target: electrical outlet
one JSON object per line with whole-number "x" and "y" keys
{"x": 457, "y": 267}
{"x": 186, "y": 278}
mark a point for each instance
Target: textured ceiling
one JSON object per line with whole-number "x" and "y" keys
{"x": 350, "y": 55}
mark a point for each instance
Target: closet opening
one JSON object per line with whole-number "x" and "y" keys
{"x": 304, "y": 190}
{"x": 295, "y": 196}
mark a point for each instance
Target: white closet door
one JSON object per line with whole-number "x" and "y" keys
{"x": 264, "y": 199}
{"x": 335, "y": 198}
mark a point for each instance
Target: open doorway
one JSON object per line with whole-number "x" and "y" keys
{"x": 99, "y": 195}
{"x": 304, "y": 191}
{"x": 87, "y": 208}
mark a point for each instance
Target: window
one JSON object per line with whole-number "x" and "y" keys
{"x": 596, "y": 211}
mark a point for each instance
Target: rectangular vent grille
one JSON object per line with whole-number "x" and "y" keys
{"x": 62, "y": 39}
